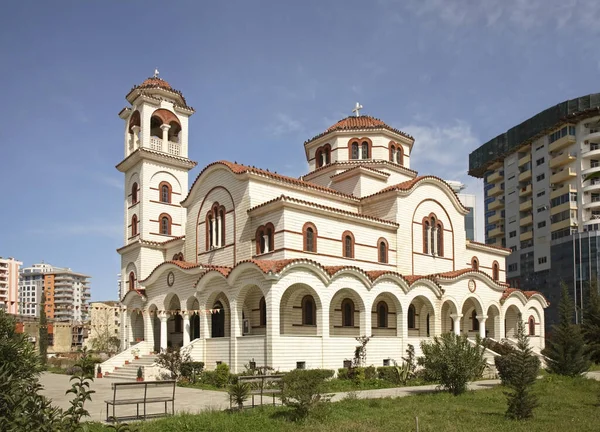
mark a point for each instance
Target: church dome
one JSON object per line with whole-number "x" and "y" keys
{"x": 154, "y": 82}
{"x": 362, "y": 122}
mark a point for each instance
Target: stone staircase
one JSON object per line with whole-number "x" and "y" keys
{"x": 128, "y": 372}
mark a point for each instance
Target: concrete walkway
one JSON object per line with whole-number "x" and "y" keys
{"x": 192, "y": 400}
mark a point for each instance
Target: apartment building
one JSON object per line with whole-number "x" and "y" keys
{"x": 9, "y": 284}
{"x": 67, "y": 292}
{"x": 539, "y": 201}
{"x": 470, "y": 202}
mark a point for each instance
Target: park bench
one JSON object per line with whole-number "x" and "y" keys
{"x": 263, "y": 385}
{"x": 141, "y": 393}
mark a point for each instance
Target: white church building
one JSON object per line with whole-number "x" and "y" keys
{"x": 250, "y": 265}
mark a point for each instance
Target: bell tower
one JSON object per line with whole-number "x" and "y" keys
{"x": 156, "y": 168}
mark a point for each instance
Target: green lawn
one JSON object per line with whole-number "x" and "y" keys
{"x": 565, "y": 405}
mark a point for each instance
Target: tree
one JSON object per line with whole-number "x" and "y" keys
{"x": 565, "y": 351}
{"x": 520, "y": 369}
{"x": 102, "y": 330}
{"x": 591, "y": 324}
{"x": 172, "y": 359}
{"x": 452, "y": 361}
{"x": 43, "y": 331}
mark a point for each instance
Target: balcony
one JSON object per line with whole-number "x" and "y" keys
{"x": 525, "y": 191}
{"x": 563, "y": 175}
{"x": 496, "y": 232}
{"x": 527, "y": 220}
{"x": 496, "y": 190}
{"x": 171, "y": 147}
{"x": 497, "y": 204}
{"x": 495, "y": 219}
{"x": 562, "y": 159}
{"x": 592, "y": 187}
{"x": 564, "y": 224}
{"x": 590, "y": 150}
{"x": 571, "y": 205}
{"x": 561, "y": 190}
{"x": 526, "y": 206}
{"x": 526, "y": 236}
{"x": 525, "y": 175}
{"x": 593, "y": 136}
{"x": 525, "y": 159}
{"x": 593, "y": 203}
{"x": 561, "y": 143}
{"x": 590, "y": 170}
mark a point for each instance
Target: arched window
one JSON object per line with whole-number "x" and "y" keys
{"x": 365, "y": 150}
{"x": 354, "y": 150}
{"x": 262, "y": 306}
{"x": 178, "y": 321}
{"x": 474, "y": 263}
{"x": 310, "y": 237}
{"x": 131, "y": 280}
{"x": 265, "y": 241}
{"x": 164, "y": 221}
{"x": 215, "y": 227}
{"x": 348, "y": 244}
{"x": 496, "y": 271}
{"x": 134, "y": 226}
{"x": 327, "y": 154}
{"x": 165, "y": 192}
{"x": 218, "y": 321}
{"x": 439, "y": 228}
{"x": 433, "y": 236}
{"x": 134, "y": 193}
{"x": 531, "y": 326}
{"x": 308, "y": 310}
{"x": 347, "y": 313}
{"x": 412, "y": 315}
{"x": 382, "y": 314}
{"x": 475, "y": 321}
{"x": 178, "y": 257}
{"x": 319, "y": 157}
{"x": 399, "y": 155}
{"x": 426, "y": 229}
{"x": 392, "y": 152}
{"x": 383, "y": 251}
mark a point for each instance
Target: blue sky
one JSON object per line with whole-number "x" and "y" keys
{"x": 263, "y": 77}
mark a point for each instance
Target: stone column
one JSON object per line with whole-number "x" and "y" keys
{"x": 235, "y": 332}
{"x": 272, "y": 300}
{"x": 165, "y": 136}
{"x": 433, "y": 240}
{"x": 163, "y": 331}
{"x": 266, "y": 240}
{"x": 186, "y": 329}
{"x": 366, "y": 318}
{"x": 136, "y": 133}
{"x": 214, "y": 232}
{"x": 125, "y": 325}
{"x": 456, "y": 318}
{"x": 427, "y": 241}
{"x": 482, "y": 325}
{"x": 218, "y": 224}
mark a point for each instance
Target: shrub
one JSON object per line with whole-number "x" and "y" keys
{"x": 172, "y": 359}
{"x": 303, "y": 390}
{"x": 520, "y": 372}
{"x": 73, "y": 370}
{"x": 343, "y": 373}
{"x": 565, "y": 350}
{"x": 222, "y": 375}
{"x": 452, "y": 361}
{"x": 370, "y": 373}
{"x": 239, "y": 393}
{"x": 191, "y": 370}
{"x": 388, "y": 373}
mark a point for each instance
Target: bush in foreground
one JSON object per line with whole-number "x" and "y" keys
{"x": 452, "y": 361}
{"x": 303, "y": 390}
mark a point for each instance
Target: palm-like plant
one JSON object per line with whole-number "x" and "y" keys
{"x": 239, "y": 392}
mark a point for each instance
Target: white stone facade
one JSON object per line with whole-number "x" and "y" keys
{"x": 297, "y": 268}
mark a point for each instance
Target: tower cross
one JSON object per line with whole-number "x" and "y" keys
{"x": 156, "y": 73}
{"x": 357, "y": 109}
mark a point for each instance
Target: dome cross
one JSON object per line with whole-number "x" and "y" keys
{"x": 357, "y": 109}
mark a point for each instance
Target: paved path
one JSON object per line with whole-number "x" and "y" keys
{"x": 195, "y": 400}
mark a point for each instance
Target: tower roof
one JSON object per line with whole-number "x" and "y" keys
{"x": 362, "y": 122}
{"x": 154, "y": 83}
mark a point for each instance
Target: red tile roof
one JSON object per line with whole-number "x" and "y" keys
{"x": 490, "y": 246}
{"x": 409, "y": 184}
{"x": 528, "y": 294}
{"x": 368, "y": 168}
{"x": 319, "y": 206}
{"x": 360, "y": 162}
{"x": 359, "y": 123}
{"x": 154, "y": 82}
{"x": 242, "y": 169}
